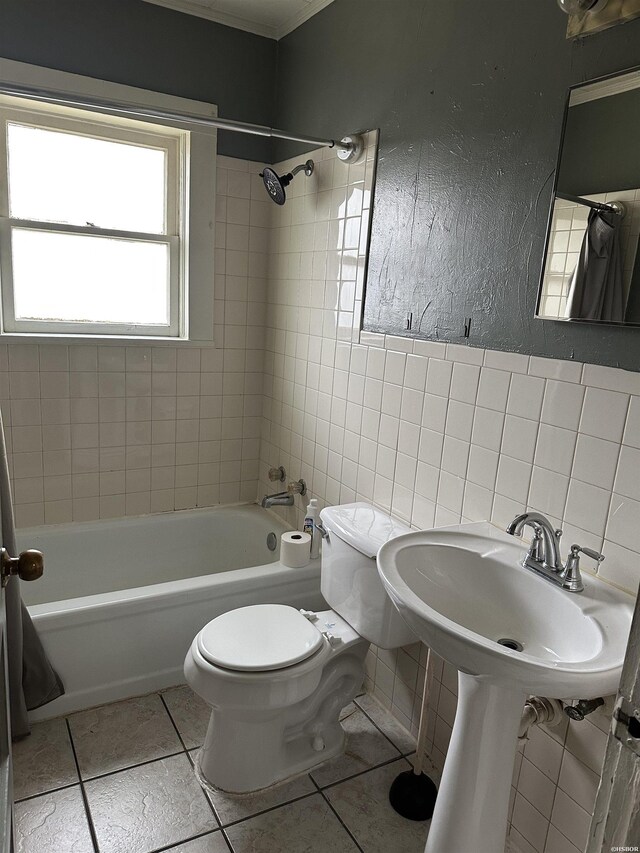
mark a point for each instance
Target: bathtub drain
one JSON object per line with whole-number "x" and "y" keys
{"x": 272, "y": 541}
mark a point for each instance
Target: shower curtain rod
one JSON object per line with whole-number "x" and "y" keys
{"x": 615, "y": 206}
{"x": 119, "y": 108}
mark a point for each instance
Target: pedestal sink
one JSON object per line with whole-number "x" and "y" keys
{"x": 510, "y": 633}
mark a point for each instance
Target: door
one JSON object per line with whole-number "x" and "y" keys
{"x": 6, "y": 787}
{"x": 28, "y": 567}
{"x": 616, "y": 818}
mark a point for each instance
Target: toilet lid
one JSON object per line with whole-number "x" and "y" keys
{"x": 259, "y": 637}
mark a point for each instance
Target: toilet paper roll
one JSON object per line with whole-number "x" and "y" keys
{"x": 295, "y": 549}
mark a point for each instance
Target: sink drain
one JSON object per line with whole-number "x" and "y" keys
{"x": 508, "y": 643}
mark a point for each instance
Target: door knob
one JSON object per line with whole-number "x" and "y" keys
{"x": 29, "y": 565}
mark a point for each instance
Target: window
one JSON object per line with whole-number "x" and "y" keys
{"x": 102, "y": 226}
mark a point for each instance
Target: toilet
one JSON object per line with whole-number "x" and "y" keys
{"x": 277, "y": 678}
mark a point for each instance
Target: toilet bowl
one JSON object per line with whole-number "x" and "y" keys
{"x": 276, "y": 678}
{"x": 272, "y": 722}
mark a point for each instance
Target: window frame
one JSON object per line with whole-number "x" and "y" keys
{"x": 95, "y": 127}
{"x": 190, "y": 211}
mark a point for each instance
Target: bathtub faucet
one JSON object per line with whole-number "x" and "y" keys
{"x": 279, "y": 499}
{"x": 299, "y": 487}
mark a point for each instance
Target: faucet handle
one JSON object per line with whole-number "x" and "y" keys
{"x": 536, "y": 548}
{"x": 570, "y": 575}
{"x": 297, "y": 487}
{"x": 589, "y": 552}
{"x": 277, "y": 474}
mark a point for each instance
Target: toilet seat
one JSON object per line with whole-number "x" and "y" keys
{"x": 259, "y": 638}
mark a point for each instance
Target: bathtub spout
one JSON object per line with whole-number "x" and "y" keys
{"x": 286, "y": 498}
{"x": 279, "y": 499}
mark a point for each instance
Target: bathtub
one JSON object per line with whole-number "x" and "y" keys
{"x": 121, "y": 600}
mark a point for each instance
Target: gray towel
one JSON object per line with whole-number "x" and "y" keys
{"x": 32, "y": 680}
{"x": 596, "y": 291}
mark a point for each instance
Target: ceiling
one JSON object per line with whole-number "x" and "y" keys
{"x": 270, "y": 18}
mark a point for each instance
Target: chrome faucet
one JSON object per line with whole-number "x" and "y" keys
{"x": 286, "y": 498}
{"x": 545, "y": 545}
{"x": 279, "y": 499}
{"x": 543, "y": 556}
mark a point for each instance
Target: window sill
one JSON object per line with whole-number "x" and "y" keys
{"x": 101, "y": 340}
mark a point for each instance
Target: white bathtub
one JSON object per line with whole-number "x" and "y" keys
{"x": 121, "y": 600}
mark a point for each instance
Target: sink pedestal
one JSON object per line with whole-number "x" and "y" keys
{"x": 462, "y": 587}
{"x": 473, "y": 799}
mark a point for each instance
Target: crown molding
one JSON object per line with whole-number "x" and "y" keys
{"x": 259, "y": 28}
{"x": 218, "y": 17}
{"x": 312, "y": 7}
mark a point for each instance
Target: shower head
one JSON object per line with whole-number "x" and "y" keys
{"x": 275, "y": 185}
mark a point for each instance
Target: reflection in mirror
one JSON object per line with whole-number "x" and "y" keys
{"x": 591, "y": 271}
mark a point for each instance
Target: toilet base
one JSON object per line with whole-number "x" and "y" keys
{"x": 247, "y": 750}
{"x": 298, "y": 761}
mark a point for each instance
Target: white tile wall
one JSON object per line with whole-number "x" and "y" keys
{"x": 436, "y": 434}
{"x": 96, "y": 431}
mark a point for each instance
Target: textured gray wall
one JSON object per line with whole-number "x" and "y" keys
{"x": 469, "y": 97}
{"x": 141, "y": 44}
{"x": 601, "y": 146}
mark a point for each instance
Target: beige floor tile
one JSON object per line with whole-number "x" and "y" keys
{"x": 43, "y": 760}
{"x": 308, "y": 826}
{"x": 363, "y": 806}
{"x": 366, "y": 747}
{"x": 190, "y": 713}
{"x": 141, "y": 809}
{"x": 123, "y": 734}
{"x": 53, "y": 823}
{"x": 212, "y": 843}
{"x": 396, "y": 733}
{"x": 233, "y": 807}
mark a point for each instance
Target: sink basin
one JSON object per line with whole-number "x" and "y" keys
{"x": 510, "y": 633}
{"x": 462, "y": 589}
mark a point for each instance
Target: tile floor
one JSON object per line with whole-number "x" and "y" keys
{"x": 119, "y": 779}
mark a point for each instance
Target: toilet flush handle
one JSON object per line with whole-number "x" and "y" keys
{"x": 323, "y": 530}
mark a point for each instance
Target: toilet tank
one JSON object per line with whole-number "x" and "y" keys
{"x": 349, "y": 579}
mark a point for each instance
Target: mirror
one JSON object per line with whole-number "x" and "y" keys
{"x": 591, "y": 269}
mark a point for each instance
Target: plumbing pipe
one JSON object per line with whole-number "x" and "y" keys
{"x": 538, "y": 710}
{"x": 583, "y": 707}
{"x": 529, "y": 718}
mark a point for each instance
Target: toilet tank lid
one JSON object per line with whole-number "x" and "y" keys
{"x": 362, "y": 526}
